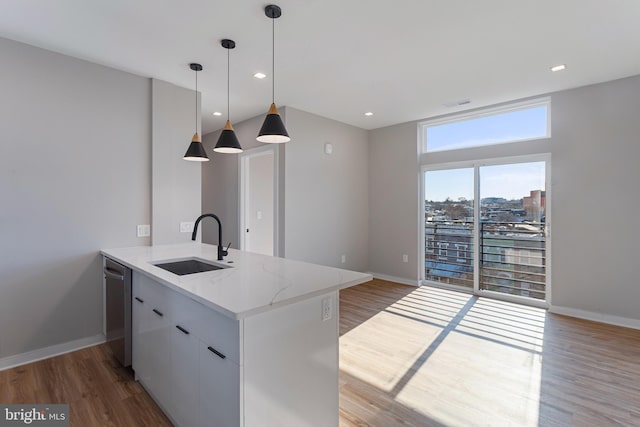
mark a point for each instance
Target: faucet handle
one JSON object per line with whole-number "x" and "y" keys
{"x": 225, "y": 252}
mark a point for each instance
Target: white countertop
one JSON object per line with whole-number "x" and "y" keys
{"x": 256, "y": 283}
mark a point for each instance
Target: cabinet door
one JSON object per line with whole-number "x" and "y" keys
{"x": 155, "y": 344}
{"x": 184, "y": 371}
{"x": 218, "y": 331}
{"x": 219, "y": 389}
{"x": 141, "y": 321}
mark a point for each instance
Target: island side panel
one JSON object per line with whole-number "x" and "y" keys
{"x": 291, "y": 365}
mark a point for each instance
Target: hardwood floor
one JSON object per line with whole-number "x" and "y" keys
{"x": 431, "y": 357}
{"x": 408, "y": 357}
{"x": 99, "y": 392}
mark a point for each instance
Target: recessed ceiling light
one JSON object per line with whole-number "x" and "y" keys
{"x": 368, "y": 113}
{"x": 217, "y": 113}
{"x": 558, "y": 68}
{"x": 259, "y": 75}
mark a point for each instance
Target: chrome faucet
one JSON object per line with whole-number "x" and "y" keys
{"x": 221, "y": 251}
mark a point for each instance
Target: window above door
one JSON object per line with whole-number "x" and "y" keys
{"x": 513, "y": 123}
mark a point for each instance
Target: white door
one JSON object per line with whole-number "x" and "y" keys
{"x": 258, "y": 201}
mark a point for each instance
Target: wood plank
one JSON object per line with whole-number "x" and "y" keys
{"x": 98, "y": 390}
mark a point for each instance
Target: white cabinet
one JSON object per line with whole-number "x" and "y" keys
{"x": 274, "y": 368}
{"x": 186, "y": 356}
{"x": 219, "y": 389}
{"x": 150, "y": 330}
{"x": 184, "y": 370}
{"x": 184, "y": 360}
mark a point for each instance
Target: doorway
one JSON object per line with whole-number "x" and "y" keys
{"x": 258, "y": 200}
{"x": 486, "y": 228}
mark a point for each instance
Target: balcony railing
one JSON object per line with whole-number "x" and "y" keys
{"x": 449, "y": 252}
{"x": 512, "y": 256}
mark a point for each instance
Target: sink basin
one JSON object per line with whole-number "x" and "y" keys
{"x": 189, "y": 266}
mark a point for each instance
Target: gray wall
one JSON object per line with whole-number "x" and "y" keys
{"x": 323, "y": 199}
{"x": 594, "y": 150}
{"x": 327, "y": 208}
{"x": 393, "y": 201}
{"x": 176, "y": 191}
{"x": 220, "y": 186}
{"x": 75, "y": 177}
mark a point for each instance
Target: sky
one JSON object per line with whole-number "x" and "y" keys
{"x": 508, "y": 181}
{"x": 510, "y": 126}
{"x": 512, "y": 181}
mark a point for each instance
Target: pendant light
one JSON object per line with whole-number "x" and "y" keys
{"x": 195, "y": 152}
{"x": 228, "y": 142}
{"x": 273, "y": 130}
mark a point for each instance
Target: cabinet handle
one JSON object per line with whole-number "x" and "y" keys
{"x": 183, "y": 330}
{"x": 216, "y": 352}
{"x": 159, "y": 313}
{"x": 139, "y": 300}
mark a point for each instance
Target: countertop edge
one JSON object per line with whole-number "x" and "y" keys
{"x": 243, "y": 314}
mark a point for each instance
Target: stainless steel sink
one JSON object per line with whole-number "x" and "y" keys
{"x": 189, "y": 266}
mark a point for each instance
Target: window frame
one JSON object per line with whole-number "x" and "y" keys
{"x": 476, "y": 164}
{"x": 484, "y": 112}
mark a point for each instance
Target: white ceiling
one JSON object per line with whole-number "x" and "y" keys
{"x": 401, "y": 59}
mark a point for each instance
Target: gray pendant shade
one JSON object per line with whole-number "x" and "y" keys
{"x": 228, "y": 141}
{"x": 195, "y": 152}
{"x": 273, "y": 130}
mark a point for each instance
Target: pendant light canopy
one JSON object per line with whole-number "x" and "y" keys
{"x": 228, "y": 141}
{"x": 195, "y": 152}
{"x": 273, "y": 130}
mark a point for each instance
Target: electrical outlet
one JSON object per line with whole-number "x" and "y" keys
{"x": 343, "y": 259}
{"x": 327, "y": 309}
{"x": 143, "y": 230}
{"x": 186, "y": 227}
{"x": 405, "y": 258}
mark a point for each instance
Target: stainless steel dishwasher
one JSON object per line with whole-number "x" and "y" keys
{"x": 118, "y": 309}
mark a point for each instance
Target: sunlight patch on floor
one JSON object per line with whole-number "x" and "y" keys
{"x": 460, "y": 356}
{"x": 406, "y": 341}
{"x": 465, "y": 381}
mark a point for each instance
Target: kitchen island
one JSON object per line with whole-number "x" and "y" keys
{"x": 252, "y": 344}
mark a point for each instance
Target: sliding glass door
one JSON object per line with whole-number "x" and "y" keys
{"x": 512, "y": 229}
{"x": 448, "y": 226}
{"x": 485, "y": 228}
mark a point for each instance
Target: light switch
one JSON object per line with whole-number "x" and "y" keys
{"x": 328, "y": 148}
{"x": 143, "y": 230}
{"x": 259, "y": 215}
{"x": 186, "y": 227}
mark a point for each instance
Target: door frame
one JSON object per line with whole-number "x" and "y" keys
{"x": 476, "y": 165}
{"x": 243, "y": 182}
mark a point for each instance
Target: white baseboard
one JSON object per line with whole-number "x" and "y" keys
{"x": 410, "y": 282}
{"x": 47, "y": 352}
{"x": 596, "y": 317}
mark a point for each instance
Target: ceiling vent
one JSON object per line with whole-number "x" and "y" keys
{"x": 457, "y": 103}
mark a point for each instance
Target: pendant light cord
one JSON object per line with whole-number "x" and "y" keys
{"x": 273, "y": 60}
{"x": 196, "y": 101}
{"x": 228, "y": 80}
